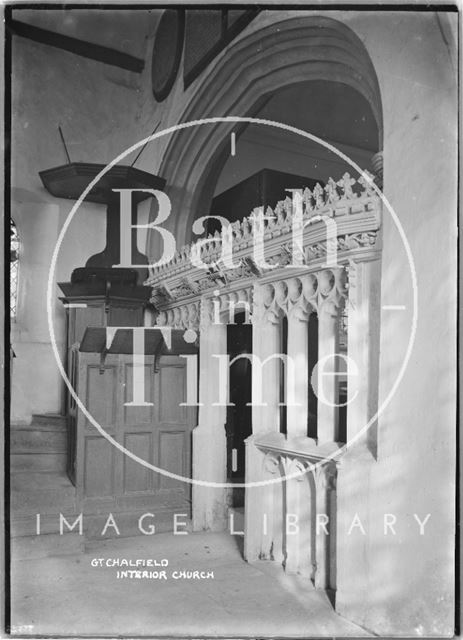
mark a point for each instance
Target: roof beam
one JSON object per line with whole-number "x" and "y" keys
{"x": 76, "y": 46}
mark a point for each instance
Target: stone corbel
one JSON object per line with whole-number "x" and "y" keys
{"x": 326, "y": 476}
{"x": 265, "y": 309}
{"x": 332, "y": 290}
{"x": 297, "y": 468}
{"x": 297, "y": 306}
{"x": 271, "y": 463}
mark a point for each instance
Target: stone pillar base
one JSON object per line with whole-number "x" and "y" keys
{"x": 209, "y": 465}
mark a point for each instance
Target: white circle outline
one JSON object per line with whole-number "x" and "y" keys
{"x": 186, "y": 125}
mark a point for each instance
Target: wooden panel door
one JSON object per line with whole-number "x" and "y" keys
{"x": 159, "y": 433}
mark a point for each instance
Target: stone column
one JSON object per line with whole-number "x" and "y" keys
{"x": 262, "y": 533}
{"x": 307, "y": 524}
{"x": 363, "y": 347}
{"x": 298, "y": 519}
{"x": 274, "y": 508}
{"x": 265, "y": 418}
{"x": 265, "y": 378}
{"x": 328, "y": 380}
{"x": 297, "y": 381}
{"x": 209, "y": 439}
{"x": 325, "y": 483}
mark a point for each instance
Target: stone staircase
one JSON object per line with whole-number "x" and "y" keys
{"x": 39, "y": 446}
{"x": 39, "y": 485}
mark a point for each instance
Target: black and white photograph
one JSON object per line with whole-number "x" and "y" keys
{"x": 230, "y": 362}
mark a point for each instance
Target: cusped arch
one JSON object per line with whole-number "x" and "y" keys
{"x": 292, "y": 51}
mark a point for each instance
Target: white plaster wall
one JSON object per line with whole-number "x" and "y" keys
{"x": 35, "y": 384}
{"x": 403, "y": 584}
{"x": 102, "y": 111}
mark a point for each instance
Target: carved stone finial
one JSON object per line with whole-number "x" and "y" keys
{"x": 332, "y": 195}
{"x": 367, "y": 181}
{"x": 317, "y": 193}
{"x": 307, "y": 201}
{"x": 346, "y": 184}
{"x": 288, "y": 236}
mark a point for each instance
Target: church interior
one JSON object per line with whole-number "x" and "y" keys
{"x": 193, "y": 381}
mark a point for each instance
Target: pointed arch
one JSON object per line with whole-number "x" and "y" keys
{"x": 294, "y": 50}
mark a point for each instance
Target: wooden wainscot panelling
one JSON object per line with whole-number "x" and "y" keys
{"x": 159, "y": 433}
{"x": 93, "y": 317}
{"x": 172, "y": 454}
{"x": 101, "y": 394}
{"x": 137, "y": 478}
{"x": 138, "y": 415}
{"x": 172, "y": 376}
{"x": 99, "y": 464}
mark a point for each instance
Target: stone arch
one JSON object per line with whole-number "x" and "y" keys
{"x": 302, "y": 48}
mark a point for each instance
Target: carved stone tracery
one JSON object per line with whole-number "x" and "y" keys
{"x": 353, "y": 204}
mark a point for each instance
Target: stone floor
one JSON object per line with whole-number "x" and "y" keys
{"x": 66, "y": 595}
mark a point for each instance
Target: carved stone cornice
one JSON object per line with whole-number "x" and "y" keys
{"x": 351, "y": 204}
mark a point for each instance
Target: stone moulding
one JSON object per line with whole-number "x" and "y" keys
{"x": 352, "y": 204}
{"x": 304, "y": 449}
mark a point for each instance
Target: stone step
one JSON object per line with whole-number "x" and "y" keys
{"x": 49, "y": 421}
{"x": 33, "y": 492}
{"x": 39, "y": 446}
{"x": 37, "y": 502}
{"x": 43, "y": 546}
{"x": 33, "y": 439}
{"x": 34, "y": 462}
{"x": 22, "y": 526}
{"x": 36, "y": 481}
